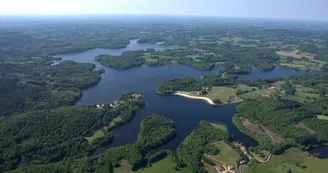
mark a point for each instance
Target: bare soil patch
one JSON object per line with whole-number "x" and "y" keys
{"x": 294, "y": 54}
{"x": 262, "y": 131}
{"x": 301, "y": 125}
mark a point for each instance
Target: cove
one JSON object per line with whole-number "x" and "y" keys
{"x": 323, "y": 151}
{"x": 186, "y": 113}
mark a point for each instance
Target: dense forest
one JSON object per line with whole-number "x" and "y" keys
{"x": 295, "y": 123}
{"x": 195, "y": 145}
{"x": 37, "y": 85}
{"x": 155, "y": 131}
{"x": 125, "y": 61}
{"x": 42, "y": 131}
{"x": 48, "y": 136}
{"x": 210, "y": 80}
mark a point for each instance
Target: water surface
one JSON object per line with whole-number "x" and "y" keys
{"x": 323, "y": 151}
{"x": 186, "y": 113}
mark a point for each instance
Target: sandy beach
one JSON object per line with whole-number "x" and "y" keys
{"x": 184, "y": 94}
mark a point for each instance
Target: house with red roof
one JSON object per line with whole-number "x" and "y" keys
{"x": 219, "y": 168}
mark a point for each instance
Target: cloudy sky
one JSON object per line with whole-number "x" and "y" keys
{"x": 287, "y": 9}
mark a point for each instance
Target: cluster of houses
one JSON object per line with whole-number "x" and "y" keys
{"x": 136, "y": 95}
{"x": 221, "y": 168}
{"x": 100, "y": 106}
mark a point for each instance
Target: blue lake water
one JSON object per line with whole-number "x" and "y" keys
{"x": 186, "y": 113}
{"x": 323, "y": 151}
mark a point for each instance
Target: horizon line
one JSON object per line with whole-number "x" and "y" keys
{"x": 166, "y": 15}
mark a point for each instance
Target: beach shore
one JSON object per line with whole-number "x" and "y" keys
{"x": 184, "y": 94}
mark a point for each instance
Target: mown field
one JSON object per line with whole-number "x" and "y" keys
{"x": 293, "y": 159}
{"x": 300, "y": 61}
{"x": 227, "y": 155}
{"x": 224, "y": 94}
{"x": 322, "y": 117}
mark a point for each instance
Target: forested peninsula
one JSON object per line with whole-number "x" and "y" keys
{"x": 42, "y": 130}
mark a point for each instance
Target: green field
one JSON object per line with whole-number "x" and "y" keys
{"x": 296, "y": 160}
{"x": 120, "y": 170}
{"x": 194, "y": 57}
{"x": 314, "y": 65}
{"x": 96, "y": 135}
{"x": 293, "y": 66}
{"x": 164, "y": 166}
{"x": 224, "y": 93}
{"x": 148, "y": 58}
{"x": 220, "y": 126}
{"x": 210, "y": 169}
{"x": 303, "y": 94}
{"x": 264, "y": 156}
{"x": 322, "y": 117}
{"x": 251, "y": 95}
{"x": 228, "y": 94}
{"x": 227, "y": 156}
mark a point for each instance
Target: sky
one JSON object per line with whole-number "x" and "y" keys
{"x": 277, "y": 9}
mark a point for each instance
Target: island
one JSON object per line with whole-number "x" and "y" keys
{"x": 49, "y": 69}
{"x": 155, "y": 131}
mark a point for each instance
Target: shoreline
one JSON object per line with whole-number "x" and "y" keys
{"x": 183, "y": 94}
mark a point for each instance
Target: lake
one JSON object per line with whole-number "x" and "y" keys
{"x": 186, "y": 113}
{"x": 323, "y": 151}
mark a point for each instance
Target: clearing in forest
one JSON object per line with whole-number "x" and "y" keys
{"x": 301, "y": 125}
{"x": 322, "y": 117}
{"x": 227, "y": 156}
{"x": 295, "y": 54}
{"x": 262, "y": 131}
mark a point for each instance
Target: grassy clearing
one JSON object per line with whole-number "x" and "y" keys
{"x": 266, "y": 91}
{"x": 251, "y": 95}
{"x": 278, "y": 84}
{"x": 227, "y": 156}
{"x": 293, "y": 159}
{"x": 96, "y": 135}
{"x": 322, "y": 117}
{"x": 301, "y": 125}
{"x": 301, "y": 61}
{"x": 148, "y": 58}
{"x": 114, "y": 122}
{"x": 226, "y": 94}
{"x": 121, "y": 170}
{"x": 303, "y": 94}
{"x": 295, "y": 54}
{"x": 302, "y": 64}
{"x": 262, "y": 131}
{"x": 261, "y": 155}
{"x": 164, "y": 166}
{"x": 210, "y": 169}
{"x": 220, "y": 126}
{"x": 257, "y": 168}
{"x": 293, "y": 66}
{"x": 100, "y": 133}
{"x": 194, "y": 57}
